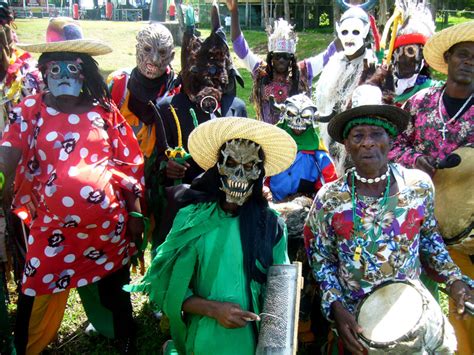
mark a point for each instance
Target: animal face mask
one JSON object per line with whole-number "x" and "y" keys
{"x": 206, "y": 65}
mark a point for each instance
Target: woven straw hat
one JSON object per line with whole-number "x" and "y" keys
{"x": 65, "y": 35}
{"x": 206, "y": 140}
{"x": 441, "y": 41}
{"x": 367, "y": 103}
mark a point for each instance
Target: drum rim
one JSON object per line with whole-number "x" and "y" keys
{"x": 460, "y": 236}
{"x": 381, "y": 345}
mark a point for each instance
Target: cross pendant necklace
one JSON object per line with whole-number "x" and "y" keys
{"x": 444, "y": 130}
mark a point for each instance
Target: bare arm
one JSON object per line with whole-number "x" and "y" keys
{"x": 135, "y": 225}
{"x": 229, "y": 315}
{"x": 240, "y": 45}
{"x": 9, "y": 158}
{"x": 233, "y": 7}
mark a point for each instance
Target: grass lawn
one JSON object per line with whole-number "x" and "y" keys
{"x": 121, "y": 36}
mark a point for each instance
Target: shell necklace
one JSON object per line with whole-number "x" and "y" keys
{"x": 370, "y": 180}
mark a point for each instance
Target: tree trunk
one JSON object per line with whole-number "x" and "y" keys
{"x": 286, "y": 9}
{"x": 434, "y": 7}
{"x": 266, "y": 16}
{"x": 382, "y": 16}
{"x": 336, "y": 12}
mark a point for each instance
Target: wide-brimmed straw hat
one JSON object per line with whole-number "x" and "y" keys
{"x": 367, "y": 103}
{"x": 441, "y": 41}
{"x": 206, "y": 140}
{"x": 65, "y": 35}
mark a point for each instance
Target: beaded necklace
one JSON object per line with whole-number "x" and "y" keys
{"x": 357, "y": 232}
{"x": 370, "y": 180}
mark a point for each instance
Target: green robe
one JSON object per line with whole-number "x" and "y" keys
{"x": 202, "y": 256}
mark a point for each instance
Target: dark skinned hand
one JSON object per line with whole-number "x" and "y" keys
{"x": 347, "y": 328}
{"x": 175, "y": 170}
{"x": 230, "y": 315}
{"x": 460, "y": 292}
{"x": 135, "y": 228}
{"x": 427, "y": 164}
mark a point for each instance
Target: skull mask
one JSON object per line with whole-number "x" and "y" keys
{"x": 353, "y": 30}
{"x": 154, "y": 50}
{"x": 239, "y": 169}
{"x": 299, "y": 112}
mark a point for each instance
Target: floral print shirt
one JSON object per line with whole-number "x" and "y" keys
{"x": 393, "y": 241}
{"x": 423, "y": 135}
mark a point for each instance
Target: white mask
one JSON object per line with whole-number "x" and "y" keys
{"x": 352, "y": 33}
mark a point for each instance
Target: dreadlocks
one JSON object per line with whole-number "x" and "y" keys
{"x": 294, "y": 73}
{"x": 94, "y": 86}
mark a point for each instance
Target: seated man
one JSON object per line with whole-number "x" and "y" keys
{"x": 209, "y": 275}
{"x": 373, "y": 224}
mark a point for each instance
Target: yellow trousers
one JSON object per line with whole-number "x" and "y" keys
{"x": 44, "y": 320}
{"x": 464, "y": 329}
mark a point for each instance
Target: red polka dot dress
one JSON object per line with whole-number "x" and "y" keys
{"x": 73, "y": 170}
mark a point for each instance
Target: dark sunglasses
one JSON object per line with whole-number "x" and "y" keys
{"x": 282, "y": 55}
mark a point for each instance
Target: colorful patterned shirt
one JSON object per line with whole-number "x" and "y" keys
{"x": 22, "y": 79}
{"x": 423, "y": 135}
{"x": 393, "y": 241}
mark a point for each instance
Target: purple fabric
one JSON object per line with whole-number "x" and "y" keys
{"x": 241, "y": 47}
{"x": 63, "y": 30}
{"x": 330, "y": 50}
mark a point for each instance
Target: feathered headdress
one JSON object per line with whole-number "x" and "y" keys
{"x": 282, "y": 38}
{"x": 411, "y": 23}
{"x": 417, "y": 23}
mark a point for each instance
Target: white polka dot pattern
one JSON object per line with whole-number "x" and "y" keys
{"x": 76, "y": 176}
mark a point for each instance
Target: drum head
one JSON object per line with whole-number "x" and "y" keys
{"x": 390, "y": 312}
